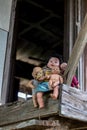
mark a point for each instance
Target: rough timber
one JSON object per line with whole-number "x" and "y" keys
{"x": 71, "y": 106}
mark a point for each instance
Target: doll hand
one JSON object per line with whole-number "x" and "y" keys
{"x": 55, "y": 84}
{"x": 30, "y": 84}
{"x": 47, "y": 77}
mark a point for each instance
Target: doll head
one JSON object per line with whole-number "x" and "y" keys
{"x": 53, "y": 62}
{"x": 37, "y": 73}
{"x": 63, "y": 66}
{"x": 56, "y": 70}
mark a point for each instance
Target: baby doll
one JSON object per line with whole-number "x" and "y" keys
{"x": 74, "y": 82}
{"x": 54, "y": 82}
{"x": 55, "y": 77}
{"x": 43, "y": 84}
{"x": 37, "y": 74}
{"x": 40, "y": 87}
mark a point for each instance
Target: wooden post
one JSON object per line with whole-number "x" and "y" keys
{"x": 76, "y": 52}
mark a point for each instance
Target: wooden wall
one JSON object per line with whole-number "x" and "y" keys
{"x": 84, "y": 11}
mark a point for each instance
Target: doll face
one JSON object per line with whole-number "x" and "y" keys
{"x": 37, "y": 73}
{"x": 53, "y": 62}
{"x": 63, "y": 66}
{"x": 56, "y": 70}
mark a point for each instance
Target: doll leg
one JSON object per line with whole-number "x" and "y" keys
{"x": 34, "y": 98}
{"x": 55, "y": 93}
{"x": 40, "y": 99}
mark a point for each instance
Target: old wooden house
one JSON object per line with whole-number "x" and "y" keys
{"x": 31, "y": 30}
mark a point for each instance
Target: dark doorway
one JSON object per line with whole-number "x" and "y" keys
{"x": 39, "y": 33}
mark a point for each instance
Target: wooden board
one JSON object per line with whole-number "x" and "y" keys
{"x": 21, "y": 111}
{"x": 37, "y": 124}
{"x": 73, "y": 103}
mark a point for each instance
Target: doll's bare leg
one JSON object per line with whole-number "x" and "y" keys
{"x": 40, "y": 99}
{"x": 55, "y": 93}
{"x": 34, "y": 98}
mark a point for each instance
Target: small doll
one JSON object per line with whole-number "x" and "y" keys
{"x": 54, "y": 82}
{"x": 52, "y": 72}
{"x": 45, "y": 80}
{"x": 40, "y": 87}
{"x": 74, "y": 82}
{"x": 37, "y": 74}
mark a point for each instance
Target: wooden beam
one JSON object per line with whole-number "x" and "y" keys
{"x": 68, "y": 114}
{"x": 38, "y": 125}
{"x": 21, "y": 111}
{"x": 76, "y": 52}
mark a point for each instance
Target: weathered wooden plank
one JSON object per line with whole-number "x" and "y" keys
{"x": 37, "y": 125}
{"x": 8, "y": 70}
{"x": 22, "y": 111}
{"x": 73, "y": 103}
{"x": 76, "y": 52}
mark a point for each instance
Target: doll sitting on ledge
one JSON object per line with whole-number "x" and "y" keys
{"x": 38, "y": 86}
{"x": 38, "y": 76}
{"x": 47, "y": 78}
{"x": 54, "y": 81}
{"x": 45, "y": 82}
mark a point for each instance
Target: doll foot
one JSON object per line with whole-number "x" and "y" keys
{"x": 53, "y": 96}
{"x": 35, "y": 106}
{"x": 40, "y": 107}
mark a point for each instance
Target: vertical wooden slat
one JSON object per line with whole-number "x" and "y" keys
{"x": 8, "y": 66}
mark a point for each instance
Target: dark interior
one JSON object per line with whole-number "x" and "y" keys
{"x": 40, "y": 33}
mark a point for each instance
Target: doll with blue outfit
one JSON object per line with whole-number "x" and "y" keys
{"x": 43, "y": 76}
{"x": 46, "y": 79}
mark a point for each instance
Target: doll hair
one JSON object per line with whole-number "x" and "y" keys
{"x": 57, "y": 56}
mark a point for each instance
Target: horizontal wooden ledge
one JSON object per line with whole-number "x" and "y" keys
{"x": 72, "y": 104}
{"x": 22, "y": 111}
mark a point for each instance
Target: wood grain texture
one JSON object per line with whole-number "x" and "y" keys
{"x": 21, "y": 111}
{"x": 73, "y": 103}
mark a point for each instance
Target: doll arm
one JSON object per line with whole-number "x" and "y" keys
{"x": 47, "y": 77}
{"x": 61, "y": 79}
{"x": 56, "y": 83}
{"x": 30, "y": 84}
{"x": 50, "y": 82}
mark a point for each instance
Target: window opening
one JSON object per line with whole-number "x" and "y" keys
{"x": 40, "y": 32}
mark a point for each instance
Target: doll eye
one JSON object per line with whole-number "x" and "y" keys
{"x": 50, "y": 60}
